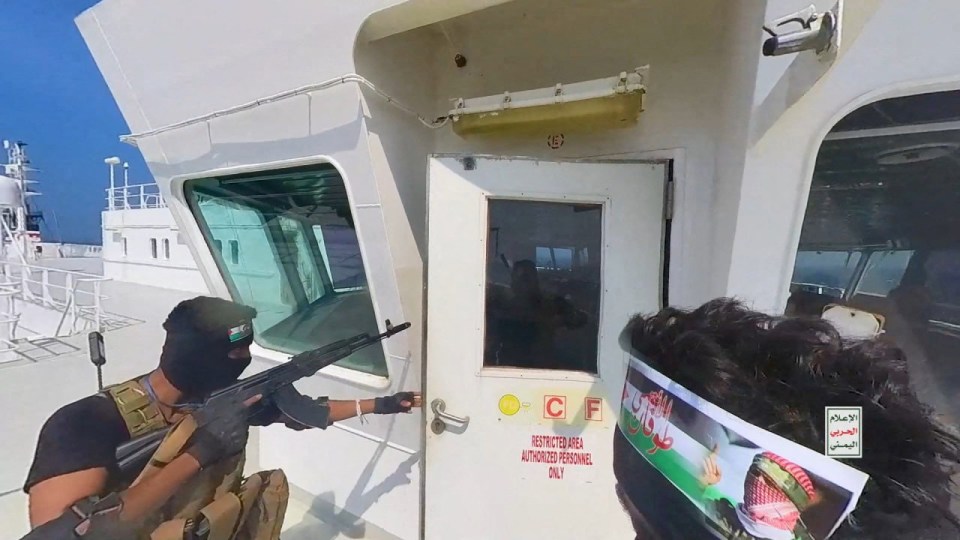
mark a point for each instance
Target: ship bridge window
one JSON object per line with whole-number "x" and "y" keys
{"x": 293, "y": 255}
{"x": 883, "y": 272}
{"x": 825, "y": 272}
{"x": 881, "y": 233}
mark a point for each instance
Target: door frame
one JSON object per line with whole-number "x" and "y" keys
{"x": 674, "y": 226}
{"x": 670, "y": 158}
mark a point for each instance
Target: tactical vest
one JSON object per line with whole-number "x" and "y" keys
{"x": 217, "y": 503}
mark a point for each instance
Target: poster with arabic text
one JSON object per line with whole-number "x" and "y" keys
{"x": 747, "y": 482}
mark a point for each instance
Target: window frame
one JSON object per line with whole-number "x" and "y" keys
{"x": 604, "y": 201}
{"x": 380, "y": 279}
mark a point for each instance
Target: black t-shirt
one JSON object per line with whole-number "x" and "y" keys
{"x": 85, "y": 434}
{"x": 80, "y": 435}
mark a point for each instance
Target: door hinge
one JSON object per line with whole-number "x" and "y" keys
{"x": 668, "y": 200}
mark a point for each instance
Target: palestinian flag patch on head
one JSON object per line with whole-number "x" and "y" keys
{"x": 240, "y": 332}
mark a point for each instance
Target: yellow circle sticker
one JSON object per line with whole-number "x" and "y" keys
{"x": 509, "y": 404}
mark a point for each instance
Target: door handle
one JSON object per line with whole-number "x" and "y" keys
{"x": 439, "y": 409}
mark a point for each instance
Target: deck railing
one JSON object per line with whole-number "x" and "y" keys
{"x": 51, "y": 250}
{"x": 9, "y": 318}
{"x": 135, "y": 197}
{"x": 78, "y": 296}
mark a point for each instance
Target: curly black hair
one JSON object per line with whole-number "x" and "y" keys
{"x": 779, "y": 373}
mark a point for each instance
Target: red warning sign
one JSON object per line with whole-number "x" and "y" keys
{"x": 558, "y": 452}
{"x": 593, "y": 409}
{"x": 555, "y": 407}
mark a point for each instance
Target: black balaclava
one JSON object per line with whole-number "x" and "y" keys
{"x": 201, "y": 332}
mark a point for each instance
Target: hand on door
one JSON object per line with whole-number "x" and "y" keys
{"x": 397, "y": 403}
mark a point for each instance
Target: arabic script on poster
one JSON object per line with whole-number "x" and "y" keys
{"x": 844, "y": 432}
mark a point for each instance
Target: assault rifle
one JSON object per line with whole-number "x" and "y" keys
{"x": 274, "y": 384}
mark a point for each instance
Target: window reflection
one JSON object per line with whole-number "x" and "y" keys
{"x": 888, "y": 199}
{"x": 543, "y": 285}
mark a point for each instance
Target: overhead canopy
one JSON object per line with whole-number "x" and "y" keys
{"x": 418, "y": 13}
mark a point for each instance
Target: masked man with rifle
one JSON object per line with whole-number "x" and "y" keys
{"x": 192, "y": 485}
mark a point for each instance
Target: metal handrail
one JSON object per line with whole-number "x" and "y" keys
{"x": 18, "y": 286}
{"x": 141, "y": 195}
{"x": 8, "y": 289}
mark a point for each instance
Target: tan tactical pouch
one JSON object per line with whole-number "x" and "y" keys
{"x": 140, "y": 414}
{"x": 249, "y": 510}
{"x": 264, "y": 496}
{"x": 256, "y": 514}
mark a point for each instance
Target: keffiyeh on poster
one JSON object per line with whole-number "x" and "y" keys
{"x": 747, "y": 482}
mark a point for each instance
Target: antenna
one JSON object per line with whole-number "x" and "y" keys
{"x": 111, "y": 161}
{"x": 98, "y": 355}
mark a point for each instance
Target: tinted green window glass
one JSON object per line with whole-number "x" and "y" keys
{"x": 297, "y": 258}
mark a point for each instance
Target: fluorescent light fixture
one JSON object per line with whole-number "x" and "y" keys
{"x": 608, "y": 103}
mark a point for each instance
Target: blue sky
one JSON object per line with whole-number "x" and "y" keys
{"x": 53, "y": 98}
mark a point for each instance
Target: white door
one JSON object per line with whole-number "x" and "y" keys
{"x": 534, "y": 268}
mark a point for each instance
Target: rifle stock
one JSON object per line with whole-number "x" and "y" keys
{"x": 277, "y": 381}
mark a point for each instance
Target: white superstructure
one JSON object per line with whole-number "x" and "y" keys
{"x": 141, "y": 241}
{"x": 20, "y": 233}
{"x": 336, "y": 164}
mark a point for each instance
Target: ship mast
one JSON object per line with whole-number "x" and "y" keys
{"x": 16, "y": 168}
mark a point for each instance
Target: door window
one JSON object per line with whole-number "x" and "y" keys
{"x": 274, "y": 223}
{"x": 543, "y": 285}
